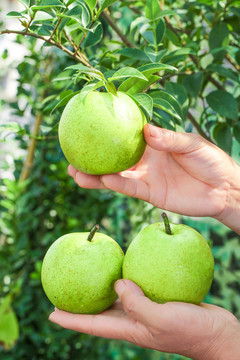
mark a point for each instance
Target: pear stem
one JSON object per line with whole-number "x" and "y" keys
{"x": 92, "y": 232}
{"x": 166, "y": 223}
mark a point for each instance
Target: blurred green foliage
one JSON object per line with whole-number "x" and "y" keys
{"x": 200, "y": 39}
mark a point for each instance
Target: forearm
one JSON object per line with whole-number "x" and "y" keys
{"x": 230, "y": 216}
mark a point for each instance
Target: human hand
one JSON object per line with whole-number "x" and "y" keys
{"x": 179, "y": 172}
{"x": 205, "y": 332}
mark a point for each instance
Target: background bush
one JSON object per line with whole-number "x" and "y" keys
{"x": 39, "y": 202}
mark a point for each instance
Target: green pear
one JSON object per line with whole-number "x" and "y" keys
{"x": 103, "y": 133}
{"x": 170, "y": 263}
{"x": 79, "y": 271}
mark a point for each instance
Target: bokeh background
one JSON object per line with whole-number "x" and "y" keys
{"x": 39, "y": 202}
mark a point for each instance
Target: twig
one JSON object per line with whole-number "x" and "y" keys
{"x": 55, "y": 29}
{"x": 30, "y": 22}
{"x": 30, "y": 152}
{"x": 197, "y": 126}
{"x": 82, "y": 39}
{"x": 70, "y": 40}
{"x": 135, "y": 10}
{"x": 49, "y": 41}
{"x": 113, "y": 25}
{"x": 214, "y": 82}
{"x": 230, "y": 60}
{"x": 177, "y": 74}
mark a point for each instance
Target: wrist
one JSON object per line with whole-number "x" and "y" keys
{"x": 231, "y": 213}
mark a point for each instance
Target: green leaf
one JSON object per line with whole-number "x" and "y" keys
{"x": 133, "y": 53}
{"x": 86, "y": 14}
{"x": 7, "y": 204}
{"x": 164, "y": 95}
{"x": 179, "y": 92}
{"x": 173, "y": 37}
{"x": 140, "y": 20}
{"x": 14, "y": 14}
{"x": 146, "y": 102}
{"x": 160, "y": 31}
{"x": 154, "y": 32}
{"x": 11, "y": 127}
{"x": 26, "y": 3}
{"x": 166, "y": 106}
{"x": 45, "y": 4}
{"x": 69, "y": 2}
{"x": 91, "y": 87}
{"x": 80, "y": 13}
{"x": 82, "y": 69}
{"x": 152, "y": 9}
{"x": 193, "y": 83}
{"x": 218, "y": 38}
{"x": 111, "y": 88}
{"x": 223, "y": 103}
{"x": 64, "y": 101}
{"x": 166, "y": 13}
{"x": 147, "y": 33}
{"x": 42, "y": 16}
{"x": 9, "y": 328}
{"x": 236, "y": 132}
{"x": 223, "y": 135}
{"x": 164, "y": 119}
{"x": 5, "y": 303}
{"x": 155, "y": 56}
{"x": 4, "y": 56}
{"x": 127, "y": 72}
{"x": 106, "y": 3}
{"x": 91, "y": 4}
{"x": 134, "y": 86}
{"x": 150, "y": 69}
{"x": 223, "y": 71}
{"x": 62, "y": 76}
{"x": 237, "y": 56}
{"x": 95, "y": 36}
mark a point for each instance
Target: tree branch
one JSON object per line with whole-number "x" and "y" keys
{"x": 49, "y": 41}
{"x": 113, "y": 25}
{"x": 197, "y": 126}
{"x": 30, "y": 152}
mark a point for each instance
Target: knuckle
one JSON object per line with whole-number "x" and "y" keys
{"x": 129, "y": 304}
{"x": 91, "y": 328}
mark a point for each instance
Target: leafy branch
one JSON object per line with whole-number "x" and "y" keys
{"x": 77, "y": 57}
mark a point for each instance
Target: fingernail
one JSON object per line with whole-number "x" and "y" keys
{"x": 51, "y": 317}
{"x": 154, "y": 131}
{"x": 120, "y": 287}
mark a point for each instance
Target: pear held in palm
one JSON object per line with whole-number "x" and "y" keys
{"x": 79, "y": 271}
{"x": 170, "y": 263}
{"x": 103, "y": 133}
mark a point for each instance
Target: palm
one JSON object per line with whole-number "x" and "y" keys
{"x": 182, "y": 183}
{"x": 159, "y": 332}
{"x": 178, "y": 182}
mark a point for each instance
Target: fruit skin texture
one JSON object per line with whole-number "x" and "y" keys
{"x": 102, "y": 134}
{"x": 78, "y": 276}
{"x": 177, "y": 267}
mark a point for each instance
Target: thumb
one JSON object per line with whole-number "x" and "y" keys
{"x": 136, "y": 304}
{"x": 171, "y": 141}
